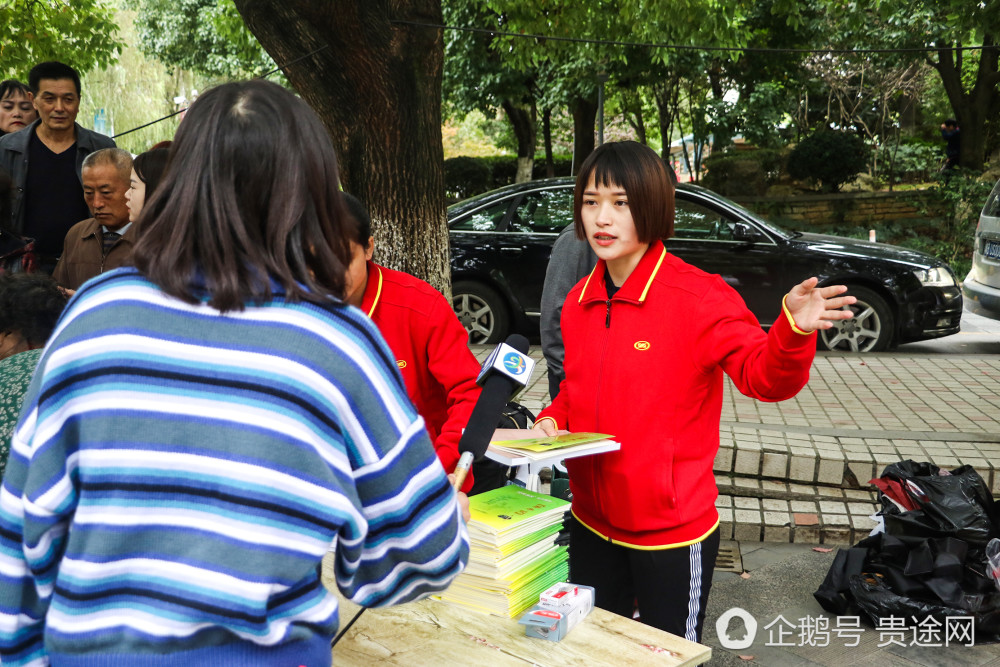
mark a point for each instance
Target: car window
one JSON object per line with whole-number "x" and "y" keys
{"x": 543, "y": 211}
{"x": 486, "y": 219}
{"x": 697, "y": 222}
{"x": 992, "y": 208}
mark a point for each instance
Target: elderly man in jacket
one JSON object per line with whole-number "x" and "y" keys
{"x": 104, "y": 241}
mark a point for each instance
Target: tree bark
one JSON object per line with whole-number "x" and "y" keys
{"x": 584, "y": 110}
{"x": 522, "y": 119}
{"x": 633, "y": 114}
{"x": 667, "y": 95}
{"x": 550, "y": 166}
{"x": 376, "y": 85}
{"x": 972, "y": 109}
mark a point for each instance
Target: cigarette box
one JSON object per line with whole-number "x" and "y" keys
{"x": 558, "y": 610}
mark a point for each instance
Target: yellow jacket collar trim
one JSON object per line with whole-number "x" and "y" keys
{"x": 378, "y": 290}
{"x": 656, "y": 269}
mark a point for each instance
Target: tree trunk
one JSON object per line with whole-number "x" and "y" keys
{"x": 971, "y": 109}
{"x": 522, "y": 119}
{"x": 666, "y": 94}
{"x": 550, "y": 166}
{"x": 377, "y": 87}
{"x": 633, "y": 114}
{"x": 584, "y": 110}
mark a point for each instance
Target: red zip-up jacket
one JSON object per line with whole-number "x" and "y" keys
{"x": 432, "y": 352}
{"x": 646, "y": 366}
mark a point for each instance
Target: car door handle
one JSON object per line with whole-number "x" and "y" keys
{"x": 511, "y": 251}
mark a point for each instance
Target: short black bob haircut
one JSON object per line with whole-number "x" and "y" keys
{"x": 54, "y": 70}
{"x": 638, "y": 170}
{"x": 247, "y": 200}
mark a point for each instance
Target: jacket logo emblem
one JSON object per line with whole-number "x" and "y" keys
{"x": 401, "y": 363}
{"x": 641, "y": 345}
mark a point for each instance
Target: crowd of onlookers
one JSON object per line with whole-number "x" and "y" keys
{"x": 69, "y": 201}
{"x": 190, "y": 411}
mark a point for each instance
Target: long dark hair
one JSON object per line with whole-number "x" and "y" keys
{"x": 149, "y": 167}
{"x": 251, "y": 196}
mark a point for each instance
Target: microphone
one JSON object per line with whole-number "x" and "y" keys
{"x": 505, "y": 372}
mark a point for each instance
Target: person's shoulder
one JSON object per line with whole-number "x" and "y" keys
{"x": 83, "y": 228}
{"x": 409, "y": 296}
{"x": 15, "y": 142}
{"x": 677, "y": 274}
{"x": 408, "y": 282}
{"x": 90, "y": 139}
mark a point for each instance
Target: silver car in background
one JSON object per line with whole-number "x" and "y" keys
{"x": 982, "y": 285}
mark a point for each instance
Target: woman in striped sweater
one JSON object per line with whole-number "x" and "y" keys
{"x": 202, "y": 426}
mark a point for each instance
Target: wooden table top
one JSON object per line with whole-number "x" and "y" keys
{"x": 429, "y": 632}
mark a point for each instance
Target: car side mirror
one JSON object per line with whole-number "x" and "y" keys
{"x": 745, "y": 233}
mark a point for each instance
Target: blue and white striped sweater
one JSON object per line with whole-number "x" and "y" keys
{"x": 178, "y": 475}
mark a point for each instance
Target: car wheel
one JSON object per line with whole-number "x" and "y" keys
{"x": 481, "y": 311}
{"x": 870, "y": 330}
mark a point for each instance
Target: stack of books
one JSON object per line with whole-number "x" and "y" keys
{"x": 514, "y": 556}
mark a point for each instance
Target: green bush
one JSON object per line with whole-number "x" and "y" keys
{"x": 743, "y": 173}
{"x": 466, "y": 176}
{"x": 912, "y": 162}
{"x": 832, "y": 158}
{"x": 563, "y": 165}
{"x": 503, "y": 169}
{"x": 960, "y": 195}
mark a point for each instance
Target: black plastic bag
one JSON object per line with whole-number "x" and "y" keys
{"x": 930, "y": 561}
{"x": 876, "y": 600}
{"x": 957, "y": 505}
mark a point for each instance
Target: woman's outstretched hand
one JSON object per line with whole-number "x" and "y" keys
{"x": 815, "y": 308}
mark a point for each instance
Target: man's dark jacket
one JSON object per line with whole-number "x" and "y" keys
{"x": 14, "y": 158}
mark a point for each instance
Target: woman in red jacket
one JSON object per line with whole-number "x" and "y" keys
{"x": 648, "y": 338}
{"x": 423, "y": 332}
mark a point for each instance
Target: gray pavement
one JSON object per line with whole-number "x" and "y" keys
{"x": 793, "y": 479}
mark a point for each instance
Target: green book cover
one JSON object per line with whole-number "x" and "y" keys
{"x": 504, "y": 509}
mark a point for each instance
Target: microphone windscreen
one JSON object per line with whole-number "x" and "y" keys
{"x": 519, "y": 343}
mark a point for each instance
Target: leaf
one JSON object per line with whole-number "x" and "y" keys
{"x": 822, "y": 550}
{"x": 746, "y": 657}
{"x": 745, "y": 575}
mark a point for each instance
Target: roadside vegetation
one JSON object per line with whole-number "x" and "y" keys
{"x": 750, "y": 98}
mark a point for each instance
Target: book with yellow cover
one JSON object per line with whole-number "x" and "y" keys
{"x": 551, "y": 442}
{"x": 553, "y": 448}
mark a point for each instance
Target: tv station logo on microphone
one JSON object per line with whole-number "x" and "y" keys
{"x": 510, "y": 362}
{"x": 515, "y": 363}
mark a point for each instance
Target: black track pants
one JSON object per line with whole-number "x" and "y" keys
{"x": 670, "y": 585}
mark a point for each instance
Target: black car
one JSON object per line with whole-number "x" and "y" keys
{"x": 501, "y": 241}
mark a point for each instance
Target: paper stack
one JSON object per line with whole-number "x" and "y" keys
{"x": 513, "y": 556}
